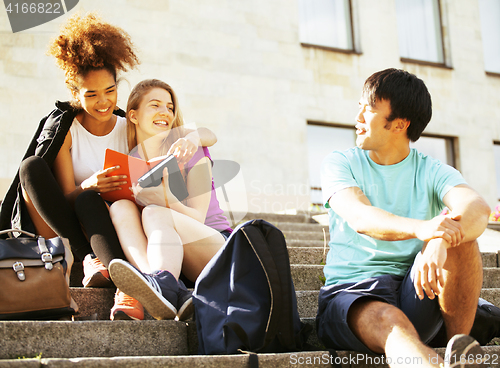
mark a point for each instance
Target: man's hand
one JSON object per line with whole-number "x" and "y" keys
{"x": 446, "y": 227}
{"x": 429, "y": 274}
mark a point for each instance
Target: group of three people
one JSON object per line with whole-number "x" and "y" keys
{"x": 397, "y": 270}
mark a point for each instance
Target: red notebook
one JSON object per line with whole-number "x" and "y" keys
{"x": 131, "y": 166}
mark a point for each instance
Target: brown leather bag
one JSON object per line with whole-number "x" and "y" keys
{"x": 34, "y": 277}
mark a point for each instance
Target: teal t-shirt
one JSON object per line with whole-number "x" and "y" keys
{"x": 412, "y": 188}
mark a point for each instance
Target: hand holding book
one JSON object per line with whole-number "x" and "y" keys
{"x": 138, "y": 170}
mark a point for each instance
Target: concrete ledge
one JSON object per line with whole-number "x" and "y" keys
{"x": 301, "y": 217}
{"x": 314, "y": 359}
{"x": 196, "y": 361}
{"x": 56, "y": 339}
{"x": 494, "y": 226}
{"x": 297, "y": 226}
{"x": 305, "y": 243}
{"x": 93, "y": 303}
{"x": 307, "y": 235}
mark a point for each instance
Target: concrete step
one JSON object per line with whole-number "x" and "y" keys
{"x": 306, "y": 255}
{"x": 300, "y": 217}
{"x": 72, "y": 339}
{"x": 95, "y": 304}
{"x": 309, "y": 277}
{"x": 76, "y": 339}
{"x": 306, "y": 243}
{"x": 307, "y": 235}
{"x": 297, "y": 226}
{"x": 282, "y": 360}
{"x": 315, "y": 359}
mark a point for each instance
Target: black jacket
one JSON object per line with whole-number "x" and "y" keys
{"x": 46, "y": 143}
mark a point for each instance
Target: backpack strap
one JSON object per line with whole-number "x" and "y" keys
{"x": 280, "y": 320}
{"x": 279, "y": 251}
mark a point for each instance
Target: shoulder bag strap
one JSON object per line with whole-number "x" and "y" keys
{"x": 10, "y": 231}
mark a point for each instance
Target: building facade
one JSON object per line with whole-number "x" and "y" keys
{"x": 279, "y": 81}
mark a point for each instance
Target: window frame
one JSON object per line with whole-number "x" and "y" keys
{"x": 446, "y": 64}
{"x": 487, "y": 72}
{"x": 353, "y": 50}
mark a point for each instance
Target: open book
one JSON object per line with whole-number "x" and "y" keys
{"x": 135, "y": 168}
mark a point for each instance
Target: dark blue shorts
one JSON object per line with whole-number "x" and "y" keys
{"x": 335, "y": 300}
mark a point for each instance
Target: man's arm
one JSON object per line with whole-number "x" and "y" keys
{"x": 353, "y": 206}
{"x": 470, "y": 209}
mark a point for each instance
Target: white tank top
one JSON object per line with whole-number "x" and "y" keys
{"x": 88, "y": 150}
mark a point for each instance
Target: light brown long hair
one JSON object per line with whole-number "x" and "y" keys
{"x": 134, "y": 101}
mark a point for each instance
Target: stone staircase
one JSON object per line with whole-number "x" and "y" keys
{"x": 94, "y": 341}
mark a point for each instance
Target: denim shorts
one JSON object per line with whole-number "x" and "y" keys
{"x": 335, "y": 300}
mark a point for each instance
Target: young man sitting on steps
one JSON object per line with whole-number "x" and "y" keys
{"x": 397, "y": 269}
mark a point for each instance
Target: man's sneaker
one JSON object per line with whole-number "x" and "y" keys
{"x": 185, "y": 307}
{"x": 464, "y": 352}
{"x": 126, "y": 308}
{"x": 157, "y": 292}
{"x": 95, "y": 273}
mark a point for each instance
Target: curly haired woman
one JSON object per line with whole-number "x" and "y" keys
{"x": 61, "y": 176}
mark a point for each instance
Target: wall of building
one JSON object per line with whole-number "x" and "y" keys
{"x": 240, "y": 70}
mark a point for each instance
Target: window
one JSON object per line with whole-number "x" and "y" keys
{"x": 324, "y": 138}
{"x": 326, "y": 23}
{"x": 496, "y": 152}
{"x": 321, "y": 140}
{"x": 441, "y": 148}
{"x": 419, "y": 30}
{"x": 489, "y": 11}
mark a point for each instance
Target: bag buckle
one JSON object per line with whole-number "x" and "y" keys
{"x": 19, "y": 269}
{"x": 47, "y": 259}
{"x": 46, "y": 256}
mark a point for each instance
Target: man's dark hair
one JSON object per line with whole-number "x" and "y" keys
{"x": 407, "y": 94}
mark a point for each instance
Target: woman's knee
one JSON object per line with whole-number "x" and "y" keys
{"x": 121, "y": 208}
{"x": 33, "y": 168}
{"x": 152, "y": 214}
{"x": 89, "y": 202}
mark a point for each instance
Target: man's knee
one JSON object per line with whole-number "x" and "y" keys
{"x": 385, "y": 316}
{"x": 464, "y": 254}
{"x": 383, "y": 319}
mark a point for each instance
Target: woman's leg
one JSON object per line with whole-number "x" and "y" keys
{"x": 47, "y": 206}
{"x": 171, "y": 229}
{"x": 94, "y": 217}
{"x": 126, "y": 219}
{"x": 164, "y": 248}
